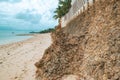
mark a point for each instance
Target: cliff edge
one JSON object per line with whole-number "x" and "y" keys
{"x": 88, "y": 48}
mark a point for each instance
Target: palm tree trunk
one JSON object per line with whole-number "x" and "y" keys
{"x": 60, "y": 23}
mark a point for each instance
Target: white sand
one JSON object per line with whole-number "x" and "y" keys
{"x": 17, "y": 60}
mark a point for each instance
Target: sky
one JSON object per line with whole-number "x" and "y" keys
{"x": 27, "y": 14}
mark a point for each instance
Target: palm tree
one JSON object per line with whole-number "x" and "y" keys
{"x": 61, "y": 10}
{"x": 58, "y": 12}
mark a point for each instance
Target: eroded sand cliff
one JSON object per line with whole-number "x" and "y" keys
{"x": 88, "y": 48}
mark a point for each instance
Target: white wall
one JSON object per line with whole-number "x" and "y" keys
{"x": 76, "y": 9}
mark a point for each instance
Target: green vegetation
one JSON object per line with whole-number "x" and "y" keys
{"x": 45, "y": 31}
{"x": 63, "y": 8}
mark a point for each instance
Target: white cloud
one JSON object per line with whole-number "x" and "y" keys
{"x": 30, "y": 11}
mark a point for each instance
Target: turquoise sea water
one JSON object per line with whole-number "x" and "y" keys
{"x": 9, "y": 36}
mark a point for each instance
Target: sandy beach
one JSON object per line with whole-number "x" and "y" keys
{"x": 17, "y": 59}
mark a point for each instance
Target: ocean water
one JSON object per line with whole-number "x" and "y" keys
{"x": 9, "y": 36}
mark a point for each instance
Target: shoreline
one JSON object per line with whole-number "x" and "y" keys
{"x": 17, "y": 59}
{"x": 26, "y": 36}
